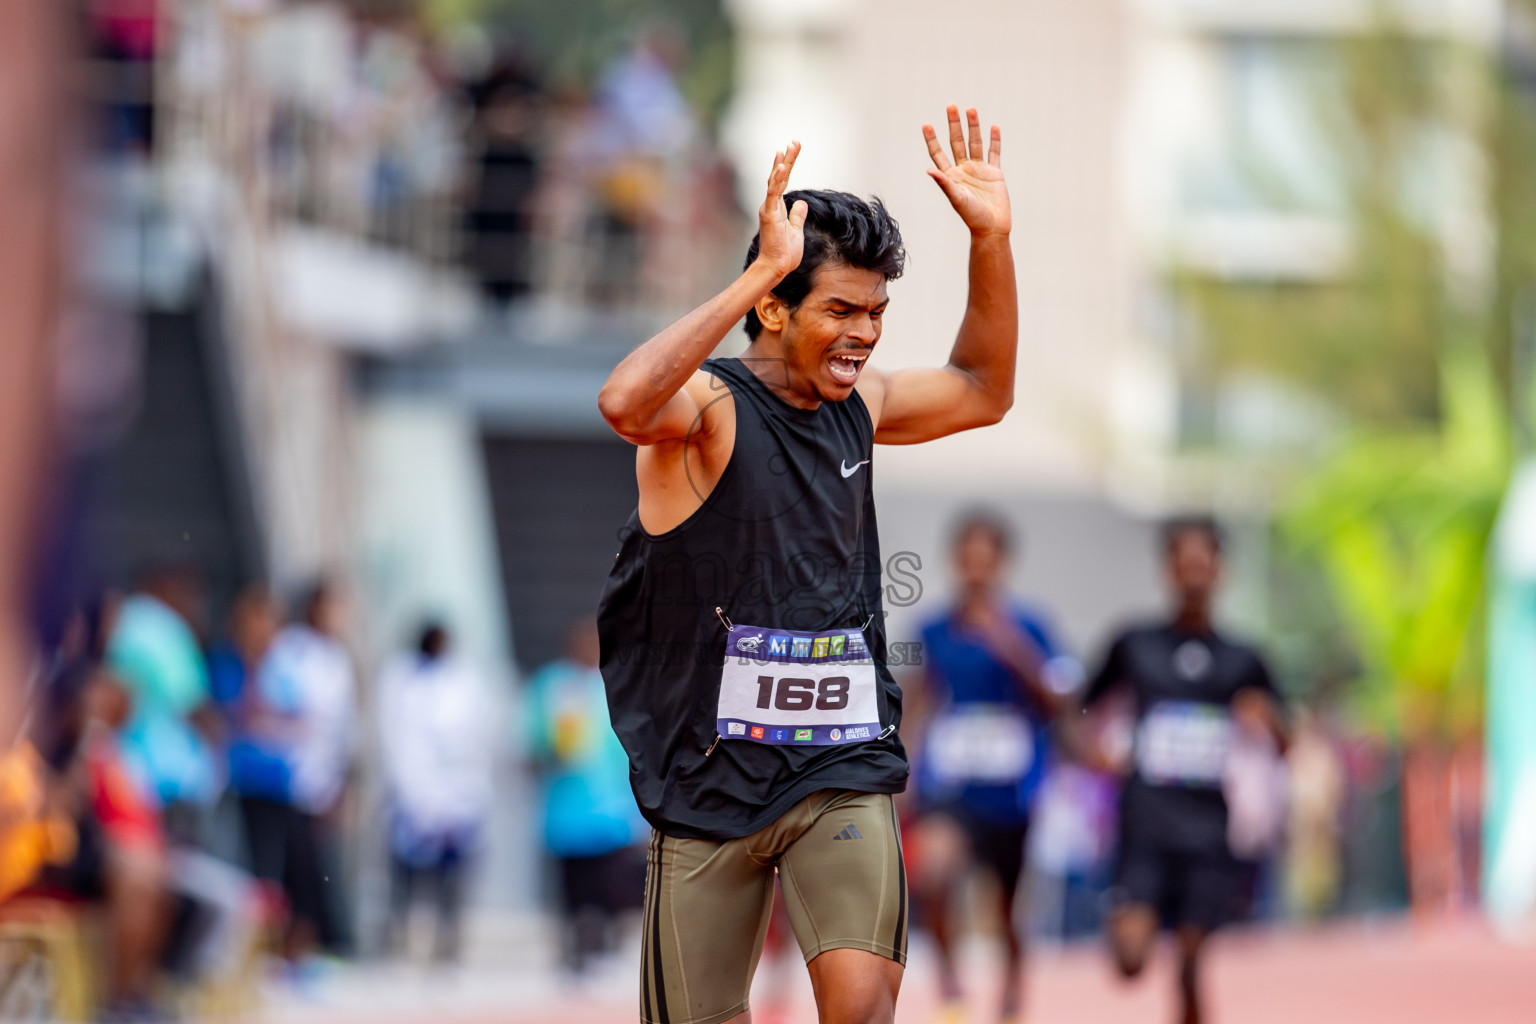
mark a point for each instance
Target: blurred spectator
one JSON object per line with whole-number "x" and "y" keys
{"x": 304, "y": 715}
{"x": 233, "y": 661}
{"x": 120, "y": 856}
{"x": 435, "y": 742}
{"x": 171, "y": 905}
{"x": 1314, "y": 854}
{"x": 122, "y": 34}
{"x": 33, "y": 835}
{"x": 1071, "y": 844}
{"x": 155, "y": 651}
{"x": 634, "y": 205}
{"x": 988, "y": 697}
{"x": 591, "y": 823}
{"x": 259, "y": 738}
{"x": 644, "y": 130}
{"x": 136, "y": 875}
{"x": 508, "y": 119}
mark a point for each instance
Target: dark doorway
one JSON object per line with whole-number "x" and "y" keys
{"x": 559, "y": 505}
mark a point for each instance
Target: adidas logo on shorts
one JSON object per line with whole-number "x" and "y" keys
{"x": 848, "y": 833}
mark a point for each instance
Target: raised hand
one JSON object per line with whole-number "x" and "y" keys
{"x": 975, "y": 187}
{"x": 781, "y": 232}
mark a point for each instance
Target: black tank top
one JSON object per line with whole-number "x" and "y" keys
{"x": 785, "y": 540}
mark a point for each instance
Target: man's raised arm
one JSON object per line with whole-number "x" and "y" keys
{"x": 644, "y": 399}
{"x": 975, "y": 388}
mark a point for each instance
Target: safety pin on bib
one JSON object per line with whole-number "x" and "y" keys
{"x": 724, "y": 619}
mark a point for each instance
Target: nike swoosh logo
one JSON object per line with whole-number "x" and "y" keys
{"x": 847, "y": 472}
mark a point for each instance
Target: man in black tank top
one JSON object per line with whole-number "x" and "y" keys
{"x": 1201, "y": 703}
{"x": 743, "y": 640}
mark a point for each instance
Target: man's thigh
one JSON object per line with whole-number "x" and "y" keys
{"x": 845, "y": 885}
{"x": 706, "y": 912}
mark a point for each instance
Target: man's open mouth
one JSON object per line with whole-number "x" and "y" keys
{"x": 845, "y": 366}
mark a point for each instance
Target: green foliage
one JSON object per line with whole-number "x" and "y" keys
{"x": 1399, "y": 521}
{"x": 1413, "y": 344}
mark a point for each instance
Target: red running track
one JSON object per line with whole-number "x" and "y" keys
{"x": 1353, "y": 973}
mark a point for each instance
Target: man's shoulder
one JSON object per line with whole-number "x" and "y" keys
{"x": 713, "y": 395}
{"x": 1238, "y": 642}
{"x": 1242, "y": 649}
{"x": 870, "y": 389}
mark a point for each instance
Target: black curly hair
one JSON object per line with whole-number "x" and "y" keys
{"x": 839, "y": 228}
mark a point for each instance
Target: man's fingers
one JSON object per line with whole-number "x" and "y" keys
{"x": 944, "y": 183}
{"x": 798, "y": 213}
{"x": 956, "y": 134}
{"x": 995, "y": 151}
{"x": 935, "y": 151}
{"x": 778, "y": 179}
{"x": 973, "y": 130}
{"x": 790, "y": 155}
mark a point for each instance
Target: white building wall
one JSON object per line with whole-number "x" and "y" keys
{"x": 855, "y": 80}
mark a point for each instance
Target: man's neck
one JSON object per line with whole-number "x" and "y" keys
{"x": 1194, "y": 617}
{"x": 765, "y": 358}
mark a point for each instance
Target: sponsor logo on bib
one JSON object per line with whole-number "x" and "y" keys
{"x": 836, "y": 734}
{"x": 857, "y": 732}
{"x": 750, "y": 644}
{"x": 835, "y": 647}
{"x": 757, "y": 732}
{"x": 778, "y": 646}
{"x": 802, "y": 735}
{"x": 819, "y": 647}
{"x": 800, "y": 647}
{"x": 737, "y": 729}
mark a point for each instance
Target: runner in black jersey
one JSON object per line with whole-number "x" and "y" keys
{"x": 743, "y": 641}
{"x": 1192, "y": 691}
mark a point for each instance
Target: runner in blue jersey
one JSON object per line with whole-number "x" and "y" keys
{"x": 987, "y": 661}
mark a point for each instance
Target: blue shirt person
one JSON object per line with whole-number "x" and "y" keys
{"x": 986, "y": 701}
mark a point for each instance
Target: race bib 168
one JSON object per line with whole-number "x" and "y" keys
{"x": 797, "y": 689}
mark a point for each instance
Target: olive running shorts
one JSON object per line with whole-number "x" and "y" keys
{"x": 707, "y": 903}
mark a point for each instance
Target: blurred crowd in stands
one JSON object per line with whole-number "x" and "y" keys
{"x": 193, "y": 781}
{"x": 196, "y": 784}
{"x": 454, "y": 146}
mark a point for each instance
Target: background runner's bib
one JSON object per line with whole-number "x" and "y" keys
{"x": 981, "y": 743}
{"x": 805, "y": 689}
{"x": 1184, "y": 743}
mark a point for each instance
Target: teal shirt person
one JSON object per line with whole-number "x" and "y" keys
{"x": 157, "y": 656}
{"x": 589, "y": 809}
